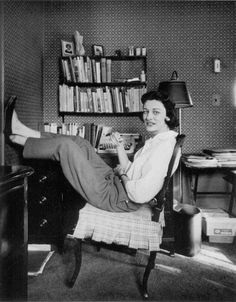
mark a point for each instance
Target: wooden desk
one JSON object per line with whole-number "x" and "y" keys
{"x": 193, "y": 173}
{"x": 13, "y": 232}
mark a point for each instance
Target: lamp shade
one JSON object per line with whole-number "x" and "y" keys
{"x": 176, "y": 91}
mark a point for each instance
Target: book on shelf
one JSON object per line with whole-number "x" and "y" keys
{"x": 98, "y": 71}
{"x": 90, "y": 100}
{"x": 108, "y": 70}
{"x": 94, "y": 70}
{"x": 76, "y": 70}
{"x": 103, "y": 70}
{"x": 72, "y": 70}
{"x": 67, "y": 70}
{"x": 94, "y": 133}
{"x": 89, "y": 70}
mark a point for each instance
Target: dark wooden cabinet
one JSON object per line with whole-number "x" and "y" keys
{"x": 13, "y": 232}
{"x": 45, "y": 203}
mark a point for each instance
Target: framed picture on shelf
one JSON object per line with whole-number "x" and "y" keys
{"x": 67, "y": 48}
{"x": 98, "y": 50}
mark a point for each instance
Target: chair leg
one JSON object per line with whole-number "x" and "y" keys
{"x": 149, "y": 267}
{"x": 72, "y": 257}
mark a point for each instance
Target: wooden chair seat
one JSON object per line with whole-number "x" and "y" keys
{"x": 133, "y": 229}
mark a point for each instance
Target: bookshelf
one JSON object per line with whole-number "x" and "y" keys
{"x": 93, "y": 85}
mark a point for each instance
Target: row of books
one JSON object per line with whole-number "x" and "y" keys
{"x": 90, "y": 131}
{"x": 63, "y": 128}
{"x": 100, "y": 100}
{"x": 82, "y": 69}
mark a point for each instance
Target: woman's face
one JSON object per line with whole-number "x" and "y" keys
{"x": 154, "y": 117}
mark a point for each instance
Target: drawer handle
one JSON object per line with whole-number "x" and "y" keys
{"x": 43, "y": 179}
{"x": 42, "y": 224}
{"x": 42, "y": 200}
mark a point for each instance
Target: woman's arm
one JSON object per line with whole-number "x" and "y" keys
{"x": 122, "y": 155}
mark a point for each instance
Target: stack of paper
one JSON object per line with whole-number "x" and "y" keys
{"x": 200, "y": 160}
{"x": 225, "y": 157}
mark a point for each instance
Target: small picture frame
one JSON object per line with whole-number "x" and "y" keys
{"x": 98, "y": 50}
{"x": 67, "y": 48}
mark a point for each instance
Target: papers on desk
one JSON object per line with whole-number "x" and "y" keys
{"x": 224, "y": 157}
{"x": 200, "y": 160}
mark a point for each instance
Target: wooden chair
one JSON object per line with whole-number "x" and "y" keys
{"x": 144, "y": 227}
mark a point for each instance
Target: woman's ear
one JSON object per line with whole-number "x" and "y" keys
{"x": 167, "y": 118}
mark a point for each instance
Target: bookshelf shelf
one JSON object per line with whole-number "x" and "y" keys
{"x": 73, "y": 113}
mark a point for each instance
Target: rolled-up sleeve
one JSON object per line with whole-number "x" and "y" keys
{"x": 152, "y": 176}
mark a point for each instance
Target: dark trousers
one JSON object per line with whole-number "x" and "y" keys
{"x": 88, "y": 174}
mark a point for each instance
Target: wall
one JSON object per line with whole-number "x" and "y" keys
{"x": 23, "y": 57}
{"x": 183, "y": 36}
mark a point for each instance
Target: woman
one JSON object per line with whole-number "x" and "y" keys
{"x": 126, "y": 187}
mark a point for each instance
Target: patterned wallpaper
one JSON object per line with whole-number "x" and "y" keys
{"x": 183, "y": 36}
{"x": 23, "y": 44}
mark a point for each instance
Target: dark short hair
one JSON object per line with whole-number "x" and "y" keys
{"x": 169, "y": 106}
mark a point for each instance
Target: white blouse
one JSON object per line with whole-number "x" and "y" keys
{"x": 149, "y": 168}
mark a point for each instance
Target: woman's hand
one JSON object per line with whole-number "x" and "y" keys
{"x": 116, "y": 139}
{"x": 118, "y": 170}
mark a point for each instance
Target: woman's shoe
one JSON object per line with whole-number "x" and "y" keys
{"x": 8, "y": 112}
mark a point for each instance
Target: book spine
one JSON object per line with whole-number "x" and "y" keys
{"x": 94, "y": 71}
{"x": 103, "y": 70}
{"x": 108, "y": 70}
{"x": 98, "y": 71}
{"x": 72, "y": 71}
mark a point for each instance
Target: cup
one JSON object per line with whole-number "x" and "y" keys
{"x": 144, "y": 51}
{"x": 131, "y": 50}
{"x": 138, "y": 51}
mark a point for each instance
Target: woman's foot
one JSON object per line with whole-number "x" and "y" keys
{"x": 18, "y": 139}
{"x": 13, "y": 125}
{"x": 19, "y": 128}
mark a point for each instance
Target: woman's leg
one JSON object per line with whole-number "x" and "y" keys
{"x": 22, "y": 132}
{"x": 89, "y": 175}
{"x": 102, "y": 191}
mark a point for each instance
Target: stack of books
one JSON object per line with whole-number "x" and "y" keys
{"x": 224, "y": 157}
{"x": 199, "y": 160}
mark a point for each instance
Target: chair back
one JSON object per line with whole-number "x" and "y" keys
{"x": 158, "y": 202}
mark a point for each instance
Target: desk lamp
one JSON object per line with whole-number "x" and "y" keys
{"x": 177, "y": 92}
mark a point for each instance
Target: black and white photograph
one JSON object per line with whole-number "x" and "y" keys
{"x": 67, "y": 48}
{"x": 118, "y": 150}
{"x": 98, "y": 50}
